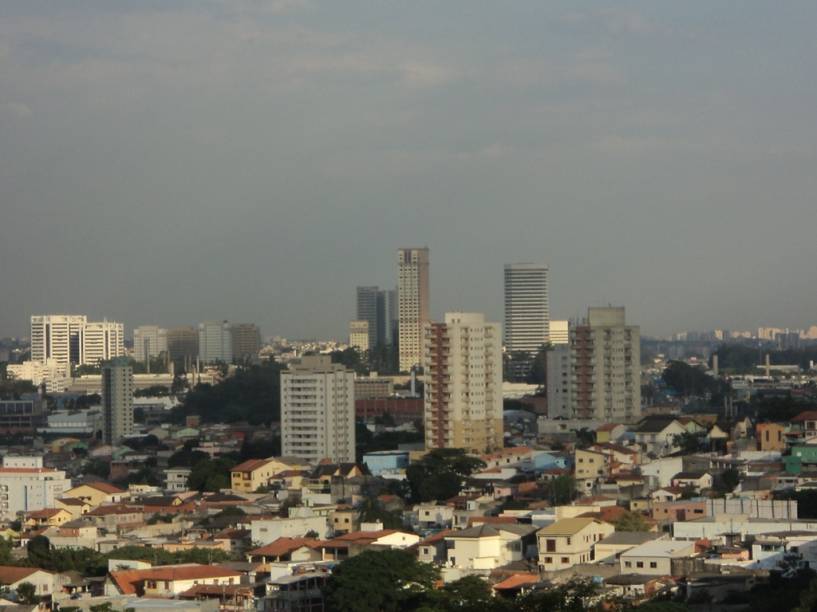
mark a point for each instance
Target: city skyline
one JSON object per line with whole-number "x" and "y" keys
{"x": 655, "y": 156}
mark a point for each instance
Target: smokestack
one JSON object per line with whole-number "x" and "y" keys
{"x": 715, "y": 364}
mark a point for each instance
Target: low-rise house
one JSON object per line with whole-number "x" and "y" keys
{"x": 488, "y": 546}
{"x": 113, "y": 517}
{"x": 659, "y": 472}
{"x": 590, "y": 468}
{"x": 658, "y": 435}
{"x": 433, "y": 549}
{"x": 770, "y": 436}
{"x": 79, "y": 533}
{"x": 667, "y": 494}
{"x": 266, "y": 530}
{"x": 654, "y": 558}
{"x": 12, "y": 577}
{"x": 233, "y": 540}
{"x": 680, "y": 510}
{"x": 75, "y": 506}
{"x": 568, "y": 542}
{"x": 253, "y": 474}
{"x": 610, "y": 432}
{"x": 286, "y": 550}
{"x": 507, "y": 456}
{"x": 624, "y": 456}
{"x": 344, "y": 519}
{"x": 168, "y": 504}
{"x": 697, "y": 481}
{"x": 168, "y": 580}
{"x": 434, "y": 516}
{"x": 611, "y": 548}
{"x": 48, "y": 517}
{"x": 806, "y": 422}
{"x": 351, "y": 544}
{"x": 636, "y": 586}
{"x": 515, "y": 584}
{"x": 97, "y": 493}
{"x": 176, "y": 479}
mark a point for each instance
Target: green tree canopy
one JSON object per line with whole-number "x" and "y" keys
{"x": 380, "y": 581}
{"x": 631, "y": 521}
{"x": 440, "y": 474}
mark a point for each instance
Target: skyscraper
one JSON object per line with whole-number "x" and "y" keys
{"x": 57, "y": 337}
{"x": 148, "y": 341}
{"x": 359, "y": 335}
{"x": 413, "y": 304}
{"x": 246, "y": 339}
{"x": 527, "y": 309}
{"x": 598, "y": 375}
{"x": 117, "y": 400}
{"x": 463, "y": 388}
{"x": 367, "y": 310}
{"x": 102, "y": 340}
{"x": 215, "y": 342}
{"x": 379, "y": 308}
{"x": 318, "y": 410}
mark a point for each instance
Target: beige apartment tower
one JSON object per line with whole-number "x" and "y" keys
{"x": 412, "y": 304}
{"x": 318, "y": 410}
{"x": 463, "y": 388}
{"x": 359, "y": 335}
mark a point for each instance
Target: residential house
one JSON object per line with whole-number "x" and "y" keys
{"x": 667, "y": 494}
{"x": 344, "y": 519}
{"x": 807, "y": 422}
{"x": 657, "y": 435}
{"x": 568, "y": 542}
{"x": 252, "y": 474}
{"x": 97, "y": 493}
{"x": 76, "y": 507}
{"x": 168, "y": 580}
{"x": 12, "y": 577}
{"x": 696, "y": 481}
{"x": 610, "y": 548}
{"x": 488, "y": 546}
{"x": 434, "y": 516}
{"x": 679, "y": 510}
{"x": 351, "y": 544}
{"x": 286, "y": 550}
{"x": 507, "y": 456}
{"x": 176, "y": 479}
{"x": 113, "y": 517}
{"x": 610, "y": 432}
{"x": 654, "y": 558}
{"x": 659, "y": 472}
{"x": 770, "y": 436}
{"x": 267, "y": 530}
{"x": 637, "y": 586}
{"x": 590, "y": 468}
{"x": 433, "y": 549}
{"x": 48, "y": 517}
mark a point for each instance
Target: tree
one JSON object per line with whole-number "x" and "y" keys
{"x": 689, "y": 380}
{"x": 379, "y": 581}
{"x": 468, "y": 594}
{"x": 728, "y": 480}
{"x": 27, "y": 593}
{"x": 689, "y": 442}
{"x": 373, "y": 511}
{"x": 631, "y": 521}
{"x": 39, "y": 550}
{"x": 560, "y": 490}
{"x": 211, "y": 474}
{"x": 440, "y": 474}
{"x": 571, "y": 597}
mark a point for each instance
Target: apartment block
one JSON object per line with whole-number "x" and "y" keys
{"x": 102, "y": 340}
{"x": 149, "y": 341}
{"x": 463, "y": 389}
{"x": 318, "y": 410}
{"x": 413, "y": 304}
{"x": 117, "y": 400}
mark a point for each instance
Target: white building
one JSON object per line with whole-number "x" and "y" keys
{"x": 26, "y": 486}
{"x": 359, "y": 336}
{"x": 264, "y": 531}
{"x": 413, "y": 304}
{"x": 527, "y": 309}
{"x": 463, "y": 387}
{"x": 654, "y": 558}
{"x": 318, "y": 410}
{"x": 117, "y": 400}
{"x": 215, "y": 342}
{"x": 57, "y": 338}
{"x": 149, "y": 341}
{"x": 559, "y": 382}
{"x": 56, "y": 376}
{"x": 74, "y": 423}
{"x": 102, "y": 340}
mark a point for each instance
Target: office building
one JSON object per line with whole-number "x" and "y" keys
{"x": 215, "y": 342}
{"x": 602, "y": 377}
{"x": 379, "y": 308}
{"x": 318, "y": 410}
{"x": 413, "y": 304}
{"x": 57, "y": 338}
{"x": 22, "y": 415}
{"x": 26, "y": 486}
{"x": 246, "y": 341}
{"x": 183, "y": 343}
{"x": 149, "y": 341}
{"x": 559, "y": 332}
{"x": 101, "y": 341}
{"x": 463, "y": 387}
{"x": 117, "y": 400}
{"x": 527, "y": 309}
{"x": 359, "y": 335}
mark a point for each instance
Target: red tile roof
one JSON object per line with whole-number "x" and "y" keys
{"x": 250, "y": 465}
{"x": 127, "y": 580}
{"x": 105, "y": 487}
{"x": 515, "y": 581}
{"x": 283, "y": 546}
{"x": 45, "y": 513}
{"x": 10, "y": 574}
{"x": 111, "y": 509}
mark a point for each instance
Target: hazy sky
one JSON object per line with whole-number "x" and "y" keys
{"x": 167, "y": 162}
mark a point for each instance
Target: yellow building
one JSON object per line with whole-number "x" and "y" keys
{"x": 590, "y": 467}
{"x": 255, "y": 473}
{"x": 568, "y": 542}
{"x": 97, "y": 493}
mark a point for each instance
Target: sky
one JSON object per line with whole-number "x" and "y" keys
{"x": 172, "y": 161}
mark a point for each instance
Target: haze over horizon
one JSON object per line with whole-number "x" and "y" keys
{"x": 176, "y": 161}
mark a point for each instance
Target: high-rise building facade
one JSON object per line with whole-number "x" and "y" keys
{"x": 318, "y": 410}
{"x": 183, "y": 343}
{"x": 463, "y": 383}
{"x": 246, "y": 339}
{"x": 102, "y": 340}
{"x": 413, "y": 304}
{"x": 368, "y": 310}
{"x": 215, "y": 342}
{"x": 359, "y": 335}
{"x": 559, "y": 332}
{"x": 379, "y": 308}
{"x": 527, "y": 309}
{"x": 57, "y": 338}
{"x": 149, "y": 341}
{"x": 602, "y": 378}
{"x": 117, "y": 400}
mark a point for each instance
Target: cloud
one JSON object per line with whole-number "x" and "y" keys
{"x": 15, "y": 110}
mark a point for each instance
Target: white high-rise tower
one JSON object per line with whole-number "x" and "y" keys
{"x": 57, "y": 338}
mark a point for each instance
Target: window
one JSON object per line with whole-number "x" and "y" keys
{"x": 551, "y": 545}
{"x": 639, "y": 564}
{"x": 653, "y": 564}
{"x": 548, "y": 559}
{"x": 627, "y": 564}
{"x": 568, "y": 541}
{"x": 565, "y": 560}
